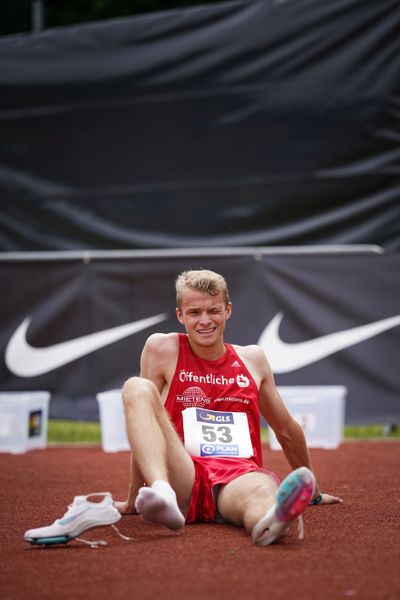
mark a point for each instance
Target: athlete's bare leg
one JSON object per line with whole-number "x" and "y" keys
{"x": 255, "y": 502}
{"x": 245, "y": 500}
{"x": 158, "y": 457}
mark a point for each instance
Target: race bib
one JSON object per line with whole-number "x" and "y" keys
{"x": 216, "y": 433}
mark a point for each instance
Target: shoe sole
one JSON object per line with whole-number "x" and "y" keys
{"x": 63, "y": 539}
{"x": 294, "y": 494}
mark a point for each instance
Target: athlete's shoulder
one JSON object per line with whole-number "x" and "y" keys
{"x": 159, "y": 357}
{"x": 252, "y": 351}
{"x": 159, "y": 343}
{"x": 254, "y": 358}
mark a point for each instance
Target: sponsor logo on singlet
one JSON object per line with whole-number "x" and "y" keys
{"x": 211, "y": 379}
{"x": 233, "y": 399}
{"x": 193, "y": 396}
{"x": 242, "y": 380}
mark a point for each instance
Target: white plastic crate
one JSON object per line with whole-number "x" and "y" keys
{"x": 320, "y": 411}
{"x": 23, "y": 421}
{"x": 112, "y": 421}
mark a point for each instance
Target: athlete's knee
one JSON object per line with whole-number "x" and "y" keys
{"x": 264, "y": 489}
{"x": 139, "y": 389}
{"x": 259, "y": 490}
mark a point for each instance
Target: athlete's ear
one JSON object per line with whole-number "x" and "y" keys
{"x": 228, "y": 310}
{"x": 179, "y": 315}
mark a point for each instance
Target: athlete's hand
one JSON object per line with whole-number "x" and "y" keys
{"x": 124, "y": 508}
{"x": 326, "y": 499}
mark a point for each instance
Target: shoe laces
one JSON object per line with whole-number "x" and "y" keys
{"x": 97, "y": 543}
{"x": 300, "y": 527}
{"x": 78, "y": 500}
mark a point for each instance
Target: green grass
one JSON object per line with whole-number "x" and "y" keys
{"x": 370, "y": 431}
{"x": 362, "y": 432}
{"x": 62, "y": 432}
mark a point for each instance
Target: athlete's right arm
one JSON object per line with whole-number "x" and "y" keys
{"x": 158, "y": 359}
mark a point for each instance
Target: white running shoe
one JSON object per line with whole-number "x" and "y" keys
{"x": 292, "y": 498}
{"x": 81, "y": 515}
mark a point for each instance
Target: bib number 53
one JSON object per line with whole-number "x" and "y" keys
{"x": 220, "y": 434}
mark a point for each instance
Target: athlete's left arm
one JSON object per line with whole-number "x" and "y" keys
{"x": 288, "y": 431}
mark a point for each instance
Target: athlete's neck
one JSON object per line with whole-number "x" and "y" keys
{"x": 213, "y": 352}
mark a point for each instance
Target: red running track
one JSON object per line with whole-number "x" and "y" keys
{"x": 349, "y": 551}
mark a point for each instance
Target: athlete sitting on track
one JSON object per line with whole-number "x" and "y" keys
{"x": 218, "y": 476}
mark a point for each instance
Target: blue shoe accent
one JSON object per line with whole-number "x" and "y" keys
{"x": 62, "y": 539}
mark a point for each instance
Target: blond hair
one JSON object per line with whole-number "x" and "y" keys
{"x": 202, "y": 280}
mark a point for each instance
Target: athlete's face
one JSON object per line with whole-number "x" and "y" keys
{"x": 204, "y": 316}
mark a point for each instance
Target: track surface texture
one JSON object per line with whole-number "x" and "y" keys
{"x": 350, "y": 550}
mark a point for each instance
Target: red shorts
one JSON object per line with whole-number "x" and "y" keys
{"x": 210, "y": 472}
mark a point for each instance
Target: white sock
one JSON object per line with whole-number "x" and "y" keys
{"x": 158, "y": 503}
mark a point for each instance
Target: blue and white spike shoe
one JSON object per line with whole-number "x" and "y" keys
{"x": 81, "y": 515}
{"x": 292, "y": 498}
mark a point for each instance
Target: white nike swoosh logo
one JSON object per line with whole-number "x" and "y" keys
{"x": 24, "y": 360}
{"x": 285, "y": 357}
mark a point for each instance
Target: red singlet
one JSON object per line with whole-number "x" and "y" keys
{"x": 225, "y": 385}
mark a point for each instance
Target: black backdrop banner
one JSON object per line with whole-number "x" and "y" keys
{"x": 76, "y": 325}
{"x": 241, "y": 124}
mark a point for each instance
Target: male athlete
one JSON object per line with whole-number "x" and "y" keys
{"x": 193, "y": 425}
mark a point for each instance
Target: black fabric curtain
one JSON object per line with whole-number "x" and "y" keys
{"x": 337, "y": 316}
{"x": 245, "y": 123}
